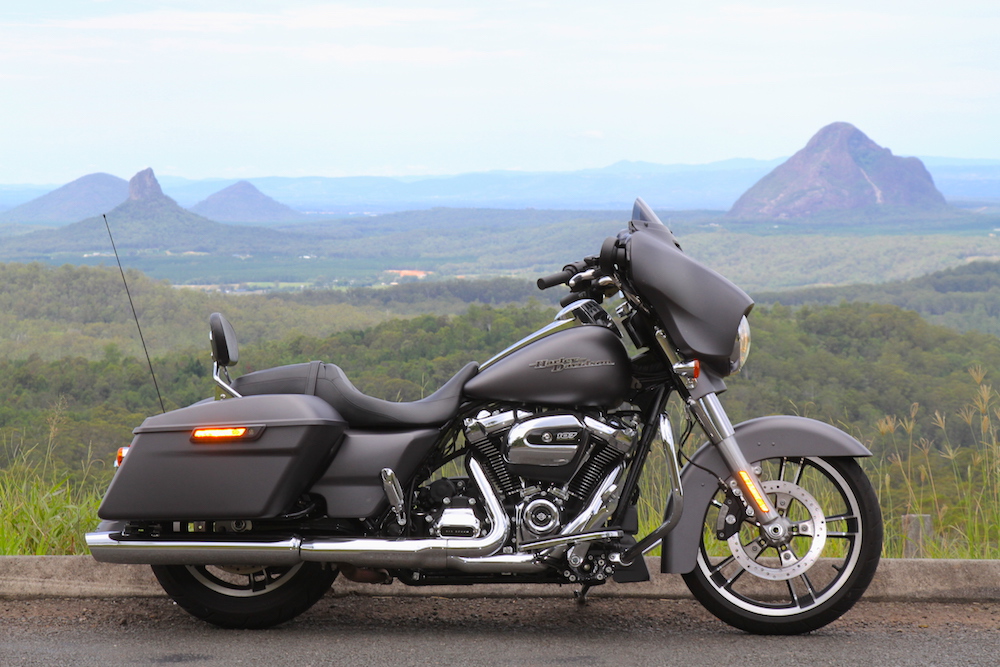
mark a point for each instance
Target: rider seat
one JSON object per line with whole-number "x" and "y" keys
{"x": 329, "y": 382}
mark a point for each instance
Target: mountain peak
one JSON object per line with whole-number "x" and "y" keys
{"x": 840, "y": 169}
{"x": 144, "y": 186}
{"x": 243, "y": 202}
{"x": 88, "y": 195}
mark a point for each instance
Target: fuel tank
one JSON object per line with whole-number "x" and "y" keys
{"x": 581, "y": 366}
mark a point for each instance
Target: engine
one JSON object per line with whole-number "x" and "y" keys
{"x": 545, "y": 466}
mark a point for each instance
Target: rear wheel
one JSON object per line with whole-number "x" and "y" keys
{"x": 810, "y": 578}
{"x": 240, "y": 596}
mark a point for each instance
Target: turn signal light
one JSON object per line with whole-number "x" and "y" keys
{"x": 120, "y": 456}
{"x": 225, "y": 433}
{"x": 754, "y": 493}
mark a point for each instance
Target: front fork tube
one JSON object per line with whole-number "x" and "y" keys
{"x": 746, "y": 484}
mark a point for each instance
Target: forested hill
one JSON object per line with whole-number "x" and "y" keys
{"x": 964, "y": 298}
{"x": 54, "y": 312}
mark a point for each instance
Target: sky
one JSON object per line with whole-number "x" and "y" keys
{"x": 245, "y": 88}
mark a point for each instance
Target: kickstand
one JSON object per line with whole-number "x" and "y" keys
{"x": 581, "y": 595}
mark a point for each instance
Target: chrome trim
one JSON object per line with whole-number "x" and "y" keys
{"x": 107, "y": 549}
{"x": 522, "y": 452}
{"x": 602, "y": 505}
{"x": 504, "y": 564}
{"x": 675, "y": 501}
{"x": 544, "y": 332}
{"x": 224, "y": 384}
{"x": 394, "y": 494}
{"x": 457, "y": 518}
{"x": 712, "y": 418}
{"x": 622, "y": 439}
{"x": 569, "y": 540}
{"x": 667, "y": 346}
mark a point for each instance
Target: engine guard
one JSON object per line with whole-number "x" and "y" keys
{"x": 762, "y": 438}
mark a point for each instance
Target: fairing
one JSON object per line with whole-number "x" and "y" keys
{"x": 699, "y": 309}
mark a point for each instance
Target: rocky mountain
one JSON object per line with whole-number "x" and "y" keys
{"x": 88, "y": 195}
{"x": 147, "y": 221}
{"x": 840, "y": 170}
{"x": 242, "y": 202}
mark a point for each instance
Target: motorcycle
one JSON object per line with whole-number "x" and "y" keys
{"x": 522, "y": 469}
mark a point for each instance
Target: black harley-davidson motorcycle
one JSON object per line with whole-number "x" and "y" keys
{"x": 522, "y": 469}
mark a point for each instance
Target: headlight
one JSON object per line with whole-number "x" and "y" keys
{"x": 741, "y": 350}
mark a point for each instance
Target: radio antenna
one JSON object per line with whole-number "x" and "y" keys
{"x": 136, "y": 317}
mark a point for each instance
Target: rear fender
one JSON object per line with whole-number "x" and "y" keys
{"x": 762, "y": 438}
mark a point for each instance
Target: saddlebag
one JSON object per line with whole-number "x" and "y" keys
{"x": 170, "y": 474}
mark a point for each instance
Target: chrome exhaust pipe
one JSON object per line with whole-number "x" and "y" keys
{"x": 461, "y": 553}
{"x": 106, "y": 549}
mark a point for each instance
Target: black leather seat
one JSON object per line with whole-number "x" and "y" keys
{"x": 330, "y": 383}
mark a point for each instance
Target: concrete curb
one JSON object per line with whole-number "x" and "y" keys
{"x": 897, "y": 580}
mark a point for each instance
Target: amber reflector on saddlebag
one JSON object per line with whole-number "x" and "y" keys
{"x": 225, "y": 433}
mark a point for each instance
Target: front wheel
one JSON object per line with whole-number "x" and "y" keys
{"x": 240, "y": 596}
{"x": 810, "y": 578}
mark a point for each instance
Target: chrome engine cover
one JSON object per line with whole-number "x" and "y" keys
{"x": 552, "y": 440}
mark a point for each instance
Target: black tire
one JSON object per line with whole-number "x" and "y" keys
{"x": 245, "y": 596}
{"x": 777, "y": 593}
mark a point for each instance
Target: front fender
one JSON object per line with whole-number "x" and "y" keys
{"x": 762, "y": 438}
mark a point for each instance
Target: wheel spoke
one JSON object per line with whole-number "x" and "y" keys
{"x": 718, "y": 567}
{"x": 729, "y": 583}
{"x": 798, "y": 473}
{"x": 841, "y": 535}
{"x": 852, "y": 527}
{"x": 805, "y": 600}
{"x": 791, "y": 593}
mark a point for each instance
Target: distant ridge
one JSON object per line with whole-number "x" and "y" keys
{"x": 147, "y": 220}
{"x": 840, "y": 170}
{"x": 88, "y": 195}
{"x": 242, "y": 202}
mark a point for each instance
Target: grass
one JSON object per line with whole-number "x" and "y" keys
{"x": 44, "y": 509}
{"x": 958, "y": 487}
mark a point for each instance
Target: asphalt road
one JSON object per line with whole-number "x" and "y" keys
{"x": 395, "y": 631}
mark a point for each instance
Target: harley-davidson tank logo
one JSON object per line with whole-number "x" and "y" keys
{"x": 566, "y": 363}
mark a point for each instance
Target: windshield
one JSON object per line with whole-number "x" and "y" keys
{"x": 644, "y": 218}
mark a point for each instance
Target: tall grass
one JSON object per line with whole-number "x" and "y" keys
{"x": 959, "y": 487}
{"x": 45, "y": 509}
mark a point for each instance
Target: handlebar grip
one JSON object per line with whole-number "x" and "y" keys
{"x": 556, "y": 278}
